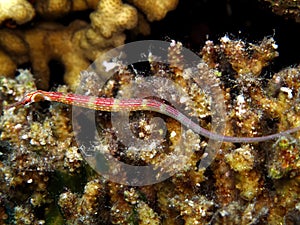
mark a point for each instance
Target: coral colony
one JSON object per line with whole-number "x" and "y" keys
{"x": 44, "y": 178}
{"x": 240, "y": 174}
{"x": 77, "y": 44}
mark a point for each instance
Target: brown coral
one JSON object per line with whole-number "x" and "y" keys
{"x": 243, "y": 57}
{"x": 247, "y": 183}
{"x": 75, "y": 45}
{"x": 118, "y": 16}
{"x": 155, "y": 9}
{"x": 286, "y": 8}
{"x": 59, "y": 8}
{"x": 85, "y": 208}
{"x": 21, "y": 11}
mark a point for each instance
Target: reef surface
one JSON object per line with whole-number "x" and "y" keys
{"x": 46, "y": 180}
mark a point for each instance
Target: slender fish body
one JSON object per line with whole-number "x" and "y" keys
{"x": 135, "y": 104}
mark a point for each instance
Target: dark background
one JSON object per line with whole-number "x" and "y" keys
{"x": 249, "y": 20}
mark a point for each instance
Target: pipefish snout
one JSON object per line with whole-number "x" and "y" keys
{"x": 136, "y": 104}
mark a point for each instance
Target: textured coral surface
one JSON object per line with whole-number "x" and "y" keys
{"x": 44, "y": 177}
{"x": 44, "y": 174}
{"x": 73, "y": 44}
{"x": 286, "y": 8}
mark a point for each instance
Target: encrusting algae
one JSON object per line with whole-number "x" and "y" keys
{"x": 44, "y": 177}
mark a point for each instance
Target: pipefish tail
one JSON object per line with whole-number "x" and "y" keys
{"x": 136, "y": 104}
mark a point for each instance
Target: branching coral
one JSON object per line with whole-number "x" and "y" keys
{"x": 124, "y": 17}
{"x": 74, "y": 45}
{"x": 59, "y": 8}
{"x": 155, "y": 9}
{"x": 21, "y": 11}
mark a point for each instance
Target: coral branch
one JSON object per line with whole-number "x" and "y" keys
{"x": 21, "y": 11}
{"x": 75, "y": 45}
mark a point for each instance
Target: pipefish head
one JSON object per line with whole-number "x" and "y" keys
{"x": 34, "y": 96}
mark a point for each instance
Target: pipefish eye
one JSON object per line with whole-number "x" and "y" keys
{"x": 35, "y": 97}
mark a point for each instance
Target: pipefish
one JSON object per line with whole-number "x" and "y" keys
{"x": 137, "y": 104}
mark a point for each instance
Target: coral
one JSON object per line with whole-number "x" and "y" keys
{"x": 32, "y": 168}
{"x": 12, "y": 44}
{"x": 74, "y": 45}
{"x": 21, "y": 11}
{"x": 85, "y": 208}
{"x": 45, "y": 43}
{"x": 249, "y": 184}
{"x": 225, "y": 185}
{"x": 24, "y": 215}
{"x": 248, "y": 181}
{"x": 59, "y": 8}
{"x": 124, "y": 17}
{"x": 3, "y": 214}
{"x": 286, "y": 8}
{"x": 194, "y": 209}
{"x": 155, "y": 9}
{"x": 241, "y": 159}
{"x": 235, "y": 214}
{"x": 285, "y": 158}
{"x": 243, "y": 57}
{"x": 44, "y": 177}
{"x": 147, "y": 216}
